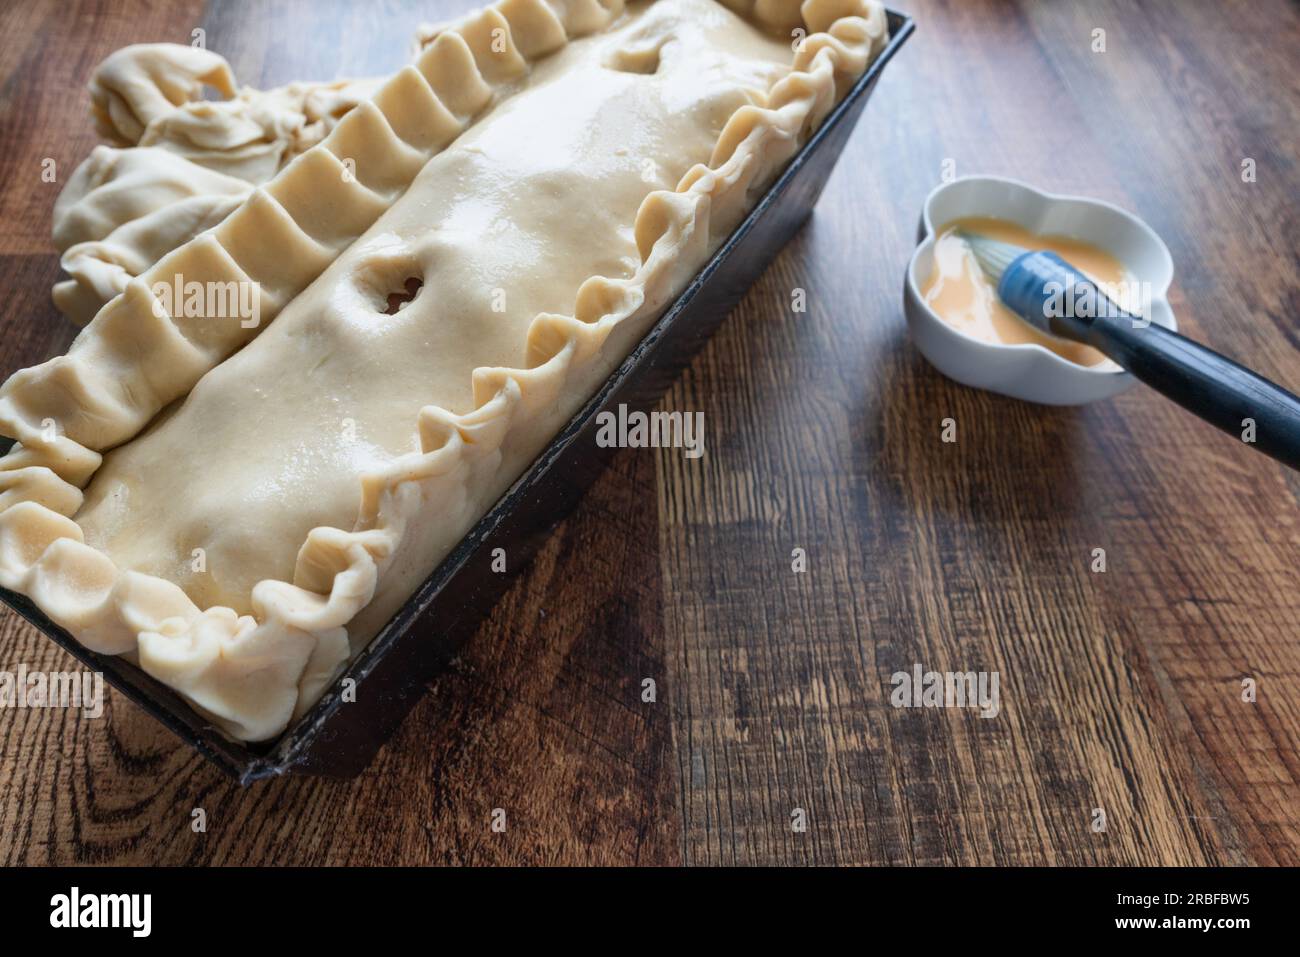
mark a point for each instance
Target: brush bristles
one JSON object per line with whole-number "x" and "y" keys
{"x": 993, "y": 257}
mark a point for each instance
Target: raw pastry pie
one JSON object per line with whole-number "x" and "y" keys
{"x": 241, "y": 503}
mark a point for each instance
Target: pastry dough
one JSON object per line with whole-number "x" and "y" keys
{"x": 180, "y": 164}
{"x": 122, "y": 211}
{"x": 554, "y": 173}
{"x": 150, "y": 94}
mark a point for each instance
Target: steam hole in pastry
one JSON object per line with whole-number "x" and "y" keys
{"x": 389, "y": 280}
{"x": 410, "y": 289}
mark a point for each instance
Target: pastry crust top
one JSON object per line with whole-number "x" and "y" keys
{"x": 552, "y": 192}
{"x": 505, "y": 224}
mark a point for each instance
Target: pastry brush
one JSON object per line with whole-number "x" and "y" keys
{"x": 1058, "y": 299}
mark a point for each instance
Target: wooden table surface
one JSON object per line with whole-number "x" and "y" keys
{"x": 1120, "y": 691}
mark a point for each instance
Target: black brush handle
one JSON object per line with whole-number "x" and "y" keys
{"x": 1205, "y": 383}
{"x": 1054, "y": 296}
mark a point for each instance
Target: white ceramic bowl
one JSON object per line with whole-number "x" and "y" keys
{"x": 1028, "y": 370}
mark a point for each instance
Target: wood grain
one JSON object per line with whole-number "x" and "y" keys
{"x": 1120, "y": 691}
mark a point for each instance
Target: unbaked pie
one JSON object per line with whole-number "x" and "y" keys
{"x": 240, "y": 493}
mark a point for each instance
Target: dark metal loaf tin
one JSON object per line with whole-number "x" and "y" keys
{"x": 339, "y": 739}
